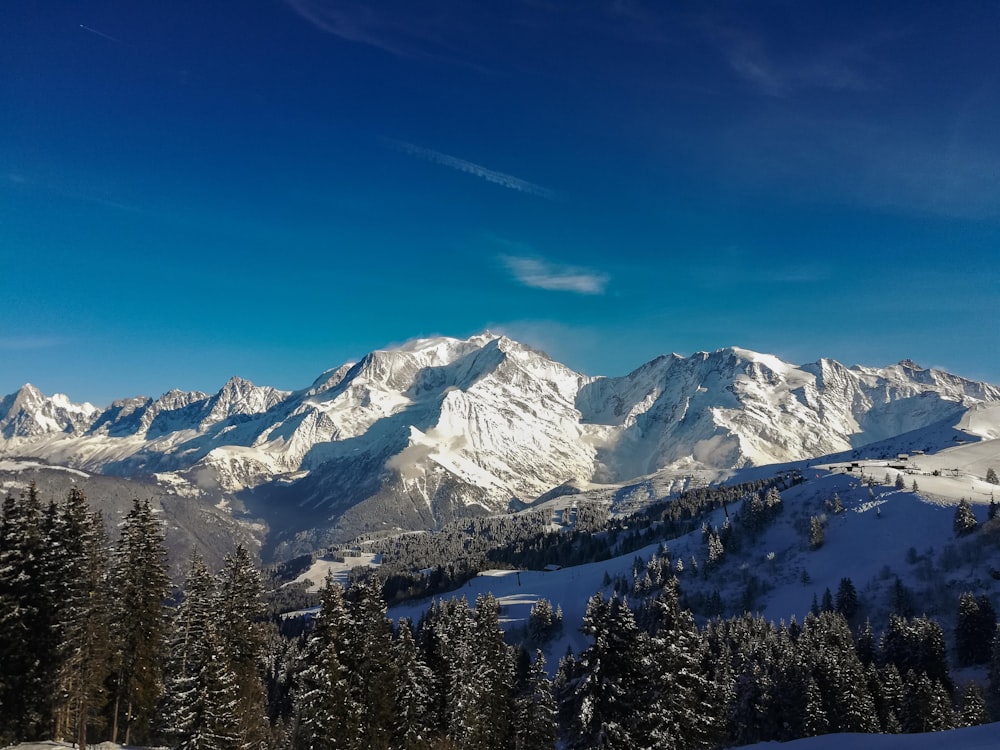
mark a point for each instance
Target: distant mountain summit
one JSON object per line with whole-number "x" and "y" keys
{"x": 412, "y": 436}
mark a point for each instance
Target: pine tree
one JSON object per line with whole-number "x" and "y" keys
{"x": 839, "y": 674}
{"x": 240, "y": 617}
{"x": 200, "y": 702}
{"x": 815, "y": 721}
{"x": 542, "y": 625}
{"x": 974, "y": 710}
{"x": 847, "y": 598}
{"x": 413, "y": 724}
{"x": 684, "y": 699}
{"x": 536, "y": 723}
{"x": 865, "y": 645}
{"x": 483, "y": 709}
{"x": 994, "y": 668}
{"x": 715, "y": 550}
{"x": 141, "y": 587}
{"x": 606, "y": 697}
{"x": 991, "y": 476}
{"x": 323, "y": 709}
{"x": 889, "y": 702}
{"x": 965, "y": 520}
{"x": 28, "y": 655}
{"x": 974, "y": 629}
{"x": 84, "y": 616}
{"x": 366, "y": 651}
{"x": 816, "y": 534}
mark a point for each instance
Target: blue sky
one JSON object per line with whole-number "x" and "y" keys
{"x": 194, "y": 190}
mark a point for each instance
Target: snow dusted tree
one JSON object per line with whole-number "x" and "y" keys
{"x": 900, "y": 483}
{"x": 974, "y": 628}
{"x": 715, "y": 550}
{"x": 83, "y": 618}
{"x": 140, "y": 586}
{"x": 916, "y": 645}
{"x": 484, "y": 721}
{"x": 889, "y": 699}
{"x": 200, "y": 701}
{"x": 994, "y": 668}
{"x": 839, "y": 674}
{"x": 413, "y": 724}
{"x": 240, "y": 616}
{"x": 815, "y": 722}
{"x": 323, "y": 708}
{"x": 927, "y": 705}
{"x": 536, "y": 724}
{"x": 543, "y": 622}
{"x": 607, "y": 698}
{"x": 991, "y": 476}
{"x": 366, "y": 651}
{"x": 683, "y": 698}
{"x": 974, "y": 711}
{"x": 816, "y": 535}
{"x": 965, "y": 520}
{"x": 27, "y": 652}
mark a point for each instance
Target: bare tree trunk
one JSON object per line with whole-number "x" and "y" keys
{"x": 114, "y": 718}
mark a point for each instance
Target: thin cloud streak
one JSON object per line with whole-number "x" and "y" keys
{"x": 541, "y": 274}
{"x": 23, "y": 343}
{"x": 361, "y": 25}
{"x": 839, "y": 68}
{"x": 490, "y": 175}
{"x": 103, "y": 35}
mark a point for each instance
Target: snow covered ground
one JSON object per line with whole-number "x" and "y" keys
{"x": 324, "y": 566}
{"x": 985, "y": 737}
{"x": 883, "y": 533}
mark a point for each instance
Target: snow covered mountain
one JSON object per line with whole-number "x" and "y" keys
{"x": 412, "y": 436}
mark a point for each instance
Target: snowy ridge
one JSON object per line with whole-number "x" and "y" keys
{"x": 441, "y": 424}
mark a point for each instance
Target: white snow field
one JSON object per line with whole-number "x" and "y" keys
{"x": 985, "y": 737}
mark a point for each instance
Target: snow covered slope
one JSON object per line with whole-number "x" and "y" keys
{"x": 412, "y": 436}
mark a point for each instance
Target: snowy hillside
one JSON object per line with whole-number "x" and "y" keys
{"x": 883, "y": 533}
{"x": 412, "y": 436}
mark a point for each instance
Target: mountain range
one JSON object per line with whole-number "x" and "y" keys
{"x": 411, "y": 437}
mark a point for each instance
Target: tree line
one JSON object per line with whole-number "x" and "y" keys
{"x": 95, "y": 645}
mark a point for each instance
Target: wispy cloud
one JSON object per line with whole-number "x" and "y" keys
{"x": 358, "y": 24}
{"x": 490, "y": 175}
{"x": 103, "y": 35}
{"x": 886, "y": 166}
{"x": 841, "y": 67}
{"x": 542, "y": 274}
{"x": 22, "y": 343}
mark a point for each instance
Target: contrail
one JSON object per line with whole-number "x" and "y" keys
{"x": 102, "y": 34}
{"x": 497, "y": 178}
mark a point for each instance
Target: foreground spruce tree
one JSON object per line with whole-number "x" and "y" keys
{"x": 141, "y": 587}
{"x": 27, "y": 652}
{"x": 323, "y": 710}
{"x": 199, "y": 708}
{"x": 84, "y": 620}
{"x": 240, "y": 618}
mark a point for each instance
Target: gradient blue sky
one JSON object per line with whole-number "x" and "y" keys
{"x": 192, "y": 190}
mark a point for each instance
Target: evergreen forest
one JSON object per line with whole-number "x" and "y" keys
{"x": 97, "y": 644}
